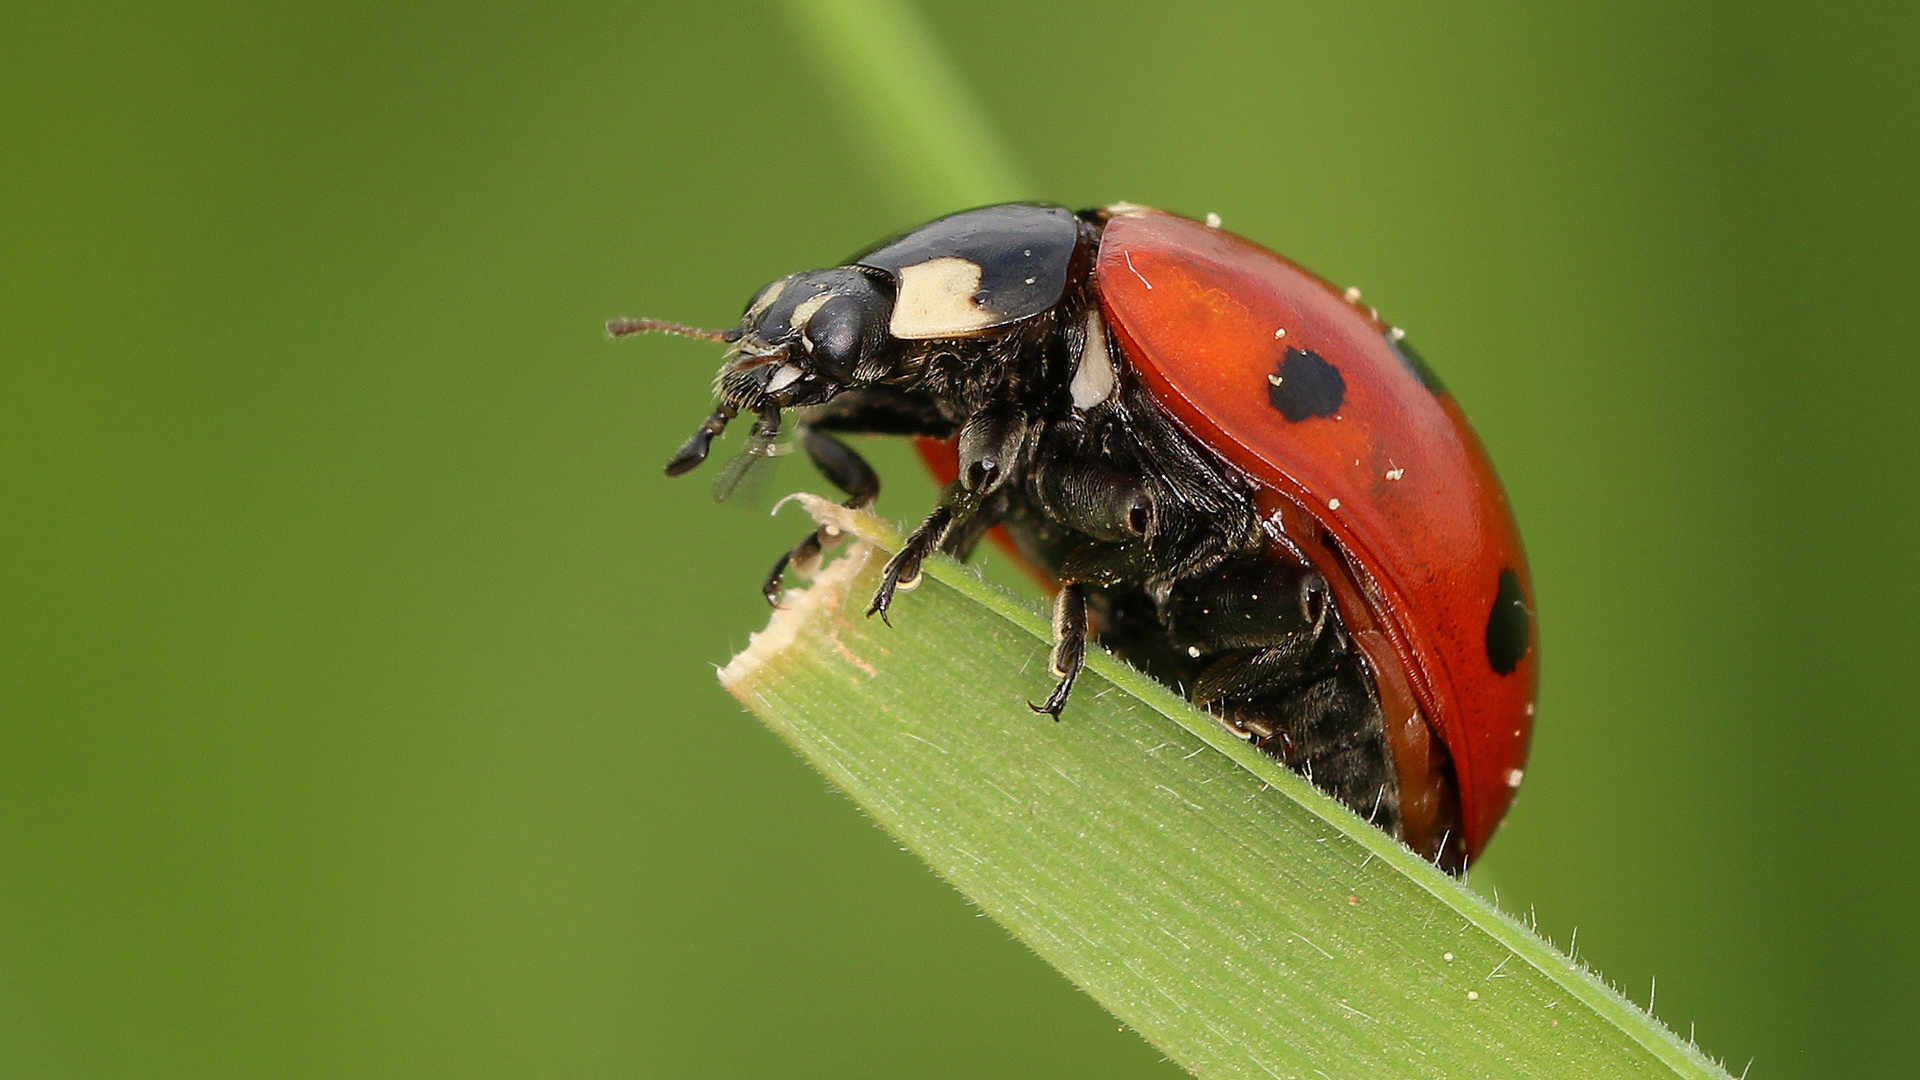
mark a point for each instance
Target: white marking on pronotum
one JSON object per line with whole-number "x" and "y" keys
{"x": 937, "y": 300}
{"x": 1213, "y": 220}
{"x": 1395, "y": 474}
{"x": 1353, "y": 294}
{"x": 1513, "y": 777}
{"x": 1128, "y": 255}
{"x": 786, "y": 376}
{"x": 1279, "y": 333}
{"x": 1093, "y": 379}
{"x": 1333, "y": 504}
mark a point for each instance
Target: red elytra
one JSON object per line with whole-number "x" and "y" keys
{"x": 1419, "y": 525}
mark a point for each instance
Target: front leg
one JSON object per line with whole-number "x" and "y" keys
{"x": 870, "y": 411}
{"x": 849, "y": 472}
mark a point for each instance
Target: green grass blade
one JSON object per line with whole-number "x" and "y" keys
{"x": 1242, "y": 921}
{"x": 911, "y": 100}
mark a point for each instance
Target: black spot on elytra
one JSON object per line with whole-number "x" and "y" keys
{"x": 1306, "y": 386}
{"x": 1416, "y": 364}
{"x": 1509, "y": 625}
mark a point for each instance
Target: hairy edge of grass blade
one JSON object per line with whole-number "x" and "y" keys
{"x": 1212, "y": 948}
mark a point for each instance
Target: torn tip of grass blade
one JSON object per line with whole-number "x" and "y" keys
{"x": 1241, "y": 921}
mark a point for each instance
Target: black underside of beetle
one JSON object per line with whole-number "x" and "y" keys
{"x": 1153, "y": 539}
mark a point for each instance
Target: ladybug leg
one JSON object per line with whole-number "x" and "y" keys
{"x": 879, "y": 411}
{"x": 694, "y": 450}
{"x": 1316, "y": 710}
{"x": 992, "y": 448}
{"x": 1245, "y": 676}
{"x": 870, "y": 411}
{"x": 1282, "y": 672}
{"x": 903, "y": 570}
{"x": 1089, "y": 565}
{"x": 965, "y": 535}
{"x": 1069, "y": 645}
{"x": 849, "y": 472}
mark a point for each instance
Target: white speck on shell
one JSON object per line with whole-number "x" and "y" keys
{"x": 1353, "y": 294}
{"x": 1279, "y": 333}
{"x": 1513, "y": 777}
{"x": 1333, "y": 504}
{"x": 1213, "y": 220}
{"x": 1395, "y": 474}
{"x": 1193, "y": 651}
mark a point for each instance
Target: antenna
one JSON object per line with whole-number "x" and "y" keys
{"x": 624, "y": 327}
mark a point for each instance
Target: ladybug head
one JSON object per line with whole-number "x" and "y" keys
{"x": 803, "y": 340}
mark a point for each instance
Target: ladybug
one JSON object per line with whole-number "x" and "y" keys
{"x": 1231, "y": 473}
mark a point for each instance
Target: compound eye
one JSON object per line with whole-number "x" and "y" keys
{"x": 833, "y": 337}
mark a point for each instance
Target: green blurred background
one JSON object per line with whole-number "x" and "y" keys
{"x": 357, "y": 715}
